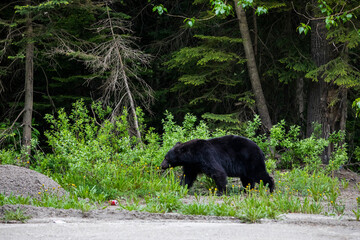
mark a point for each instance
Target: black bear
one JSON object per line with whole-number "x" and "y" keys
{"x": 219, "y": 158}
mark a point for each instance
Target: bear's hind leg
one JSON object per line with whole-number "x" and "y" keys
{"x": 220, "y": 179}
{"x": 247, "y": 183}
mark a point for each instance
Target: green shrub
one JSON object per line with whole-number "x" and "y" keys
{"x": 9, "y": 157}
{"x": 284, "y": 143}
{"x": 93, "y": 153}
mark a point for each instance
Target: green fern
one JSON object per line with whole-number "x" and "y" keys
{"x": 221, "y": 39}
{"x": 340, "y": 35}
{"x": 228, "y": 118}
{"x": 337, "y": 71}
{"x": 297, "y": 65}
{"x": 229, "y": 122}
{"x": 195, "y": 80}
{"x": 206, "y": 97}
{"x": 200, "y": 56}
{"x": 272, "y": 5}
{"x": 209, "y": 69}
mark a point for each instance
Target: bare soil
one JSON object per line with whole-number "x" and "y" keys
{"x": 351, "y": 192}
{"x": 25, "y": 182}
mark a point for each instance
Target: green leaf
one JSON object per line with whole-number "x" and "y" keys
{"x": 221, "y": 8}
{"x": 160, "y": 9}
{"x": 301, "y": 29}
{"x": 190, "y": 22}
{"x": 330, "y": 22}
{"x": 261, "y": 10}
{"x": 356, "y": 106}
{"x": 18, "y": 56}
{"x": 246, "y": 3}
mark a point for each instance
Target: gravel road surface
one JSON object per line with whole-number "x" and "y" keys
{"x": 293, "y": 226}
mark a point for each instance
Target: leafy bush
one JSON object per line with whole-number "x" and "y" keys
{"x": 91, "y": 152}
{"x": 292, "y": 151}
{"x": 9, "y": 157}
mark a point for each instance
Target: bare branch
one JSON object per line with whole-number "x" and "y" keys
{"x": 341, "y": 12}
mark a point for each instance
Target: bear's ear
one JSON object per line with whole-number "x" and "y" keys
{"x": 181, "y": 149}
{"x": 178, "y": 143}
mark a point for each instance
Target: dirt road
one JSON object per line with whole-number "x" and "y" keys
{"x": 293, "y": 226}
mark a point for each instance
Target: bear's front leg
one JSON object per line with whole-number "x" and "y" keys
{"x": 189, "y": 176}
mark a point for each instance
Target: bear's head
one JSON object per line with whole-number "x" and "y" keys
{"x": 171, "y": 158}
{"x": 271, "y": 184}
{"x": 183, "y": 153}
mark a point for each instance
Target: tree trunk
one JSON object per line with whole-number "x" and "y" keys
{"x": 255, "y": 34}
{"x": 131, "y": 100}
{"x": 300, "y": 97}
{"x": 29, "y": 80}
{"x": 318, "y": 91}
{"x": 326, "y": 101}
{"x": 252, "y": 67}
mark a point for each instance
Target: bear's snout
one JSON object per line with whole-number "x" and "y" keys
{"x": 165, "y": 164}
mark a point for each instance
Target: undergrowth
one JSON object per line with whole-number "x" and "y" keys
{"x": 17, "y": 215}
{"x": 70, "y": 201}
{"x": 97, "y": 159}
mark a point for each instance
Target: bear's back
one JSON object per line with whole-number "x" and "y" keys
{"x": 233, "y": 142}
{"x": 237, "y": 149}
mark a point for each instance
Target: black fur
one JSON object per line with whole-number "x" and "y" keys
{"x": 219, "y": 158}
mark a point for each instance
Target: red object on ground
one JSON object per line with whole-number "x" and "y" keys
{"x": 114, "y": 202}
